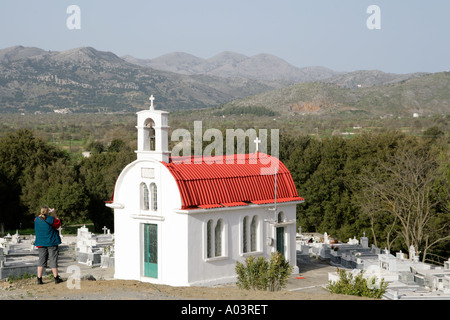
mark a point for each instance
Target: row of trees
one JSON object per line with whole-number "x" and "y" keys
{"x": 34, "y": 173}
{"x": 393, "y": 187}
{"x": 253, "y": 110}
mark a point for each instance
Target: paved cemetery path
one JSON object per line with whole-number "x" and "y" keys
{"x": 98, "y": 284}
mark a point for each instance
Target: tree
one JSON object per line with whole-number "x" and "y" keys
{"x": 96, "y": 147}
{"x": 364, "y": 154}
{"x": 337, "y": 178}
{"x": 117, "y": 145}
{"x": 20, "y": 155}
{"x": 69, "y": 201}
{"x": 433, "y": 133}
{"x": 317, "y": 167}
{"x": 12, "y": 209}
{"x": 53, "y": 179}
{"x": 405, "y": 187}
{"x": 21, "y": 150}
{"x": 303, "y": 163}
{"x": 56, "y": 185}
{"x": 98, "y": 175}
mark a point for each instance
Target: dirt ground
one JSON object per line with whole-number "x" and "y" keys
{"x": 99, "y": 284}
{"x": 104, "y": 287}
{"x": 134, "y": 290}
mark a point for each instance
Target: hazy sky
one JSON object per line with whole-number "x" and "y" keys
{"x": 414, "y": 35}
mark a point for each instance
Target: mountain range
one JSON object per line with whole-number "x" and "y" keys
{"x": 88, "y": 80}
{"x": 228, "y": 64}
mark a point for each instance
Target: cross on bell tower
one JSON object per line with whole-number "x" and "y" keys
{"x": 257, "y": 142}
{"x": 152, "y": 98}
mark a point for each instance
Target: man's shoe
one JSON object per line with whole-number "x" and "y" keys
{"x": 40, "y": 280}
{"x": 58, "y": 279}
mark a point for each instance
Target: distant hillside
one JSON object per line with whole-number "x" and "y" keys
{"x": 369, "y": 78}
{"x": 263, "y": 67}
{"x": 177, "y": 62}
{"x": 426, "y": 94}
{"x": 88, "y": 80}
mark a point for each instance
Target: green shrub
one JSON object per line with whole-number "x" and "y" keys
{"x": 260, "y": 274}
{"x": 252, "y": 275}
{"x": 357, "y": 286}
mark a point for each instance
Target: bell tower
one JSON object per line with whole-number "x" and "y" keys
{"x": 153, "y": 134}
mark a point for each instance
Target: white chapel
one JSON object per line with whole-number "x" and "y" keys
{"x": 185, "y": 223}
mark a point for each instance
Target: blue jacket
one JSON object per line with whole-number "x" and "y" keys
{"x": 46, "y": 234}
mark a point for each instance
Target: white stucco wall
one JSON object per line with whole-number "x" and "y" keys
{"x": 182, "y": 257}
{"x": 128, "y": 223}
{"x": 217, "y": 270}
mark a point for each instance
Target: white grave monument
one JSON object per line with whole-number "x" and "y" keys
{"x": 90, "y": 247}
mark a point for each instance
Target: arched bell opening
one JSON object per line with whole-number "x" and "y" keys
{"x": 149, "y": 135}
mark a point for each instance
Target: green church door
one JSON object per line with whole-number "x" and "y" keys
{"x": 151, "y": 250}
{"x": 280, "y": 240}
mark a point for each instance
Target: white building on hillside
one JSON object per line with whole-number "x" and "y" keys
{"x": 183, "y": 223}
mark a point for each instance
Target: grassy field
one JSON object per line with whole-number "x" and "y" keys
{"x": 74, "y": 132}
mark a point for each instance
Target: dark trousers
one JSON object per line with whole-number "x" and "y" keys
{"x": 48, "y": 253}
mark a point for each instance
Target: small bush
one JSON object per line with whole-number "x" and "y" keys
{"x": 260, "y": 274}
{"x": 252, "y": 274}
{"x": 357, "y": 286}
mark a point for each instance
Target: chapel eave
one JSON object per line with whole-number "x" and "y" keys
{"x": 266, "y": 206}
{"x": 114, "y": 205}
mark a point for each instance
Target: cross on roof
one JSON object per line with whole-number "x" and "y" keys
{"x": 104, "y": 229}
{"x": 152, "y": 98}
{"x": 257, "y": 142}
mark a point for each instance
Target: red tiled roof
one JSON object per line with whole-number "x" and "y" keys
{"x": 235, "y": 180}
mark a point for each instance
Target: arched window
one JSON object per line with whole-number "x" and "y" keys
{"x": 154, "y": 193}
{"x": 218, "y": 234}
{"x": 280, "y": 216}
{"x": 209, "y": 239}
{"x": 144, "y": 197}
{"x": 215, "y": 239}
{"x": 245, "y": 234}
{"x": 250, "y": 234}
{"x": 254, "y": 234}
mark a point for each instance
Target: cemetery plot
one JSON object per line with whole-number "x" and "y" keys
{"x": 408, "y": 278}
{"x": 95, "y": 249}
{"x": 18, "y": 256}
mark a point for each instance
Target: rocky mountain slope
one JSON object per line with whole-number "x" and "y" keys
{"x": 423, "y": 94}
{"x": 88, "y": 80}
{"x": 369, "y": 78}
{"x": 264, "y": 67}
